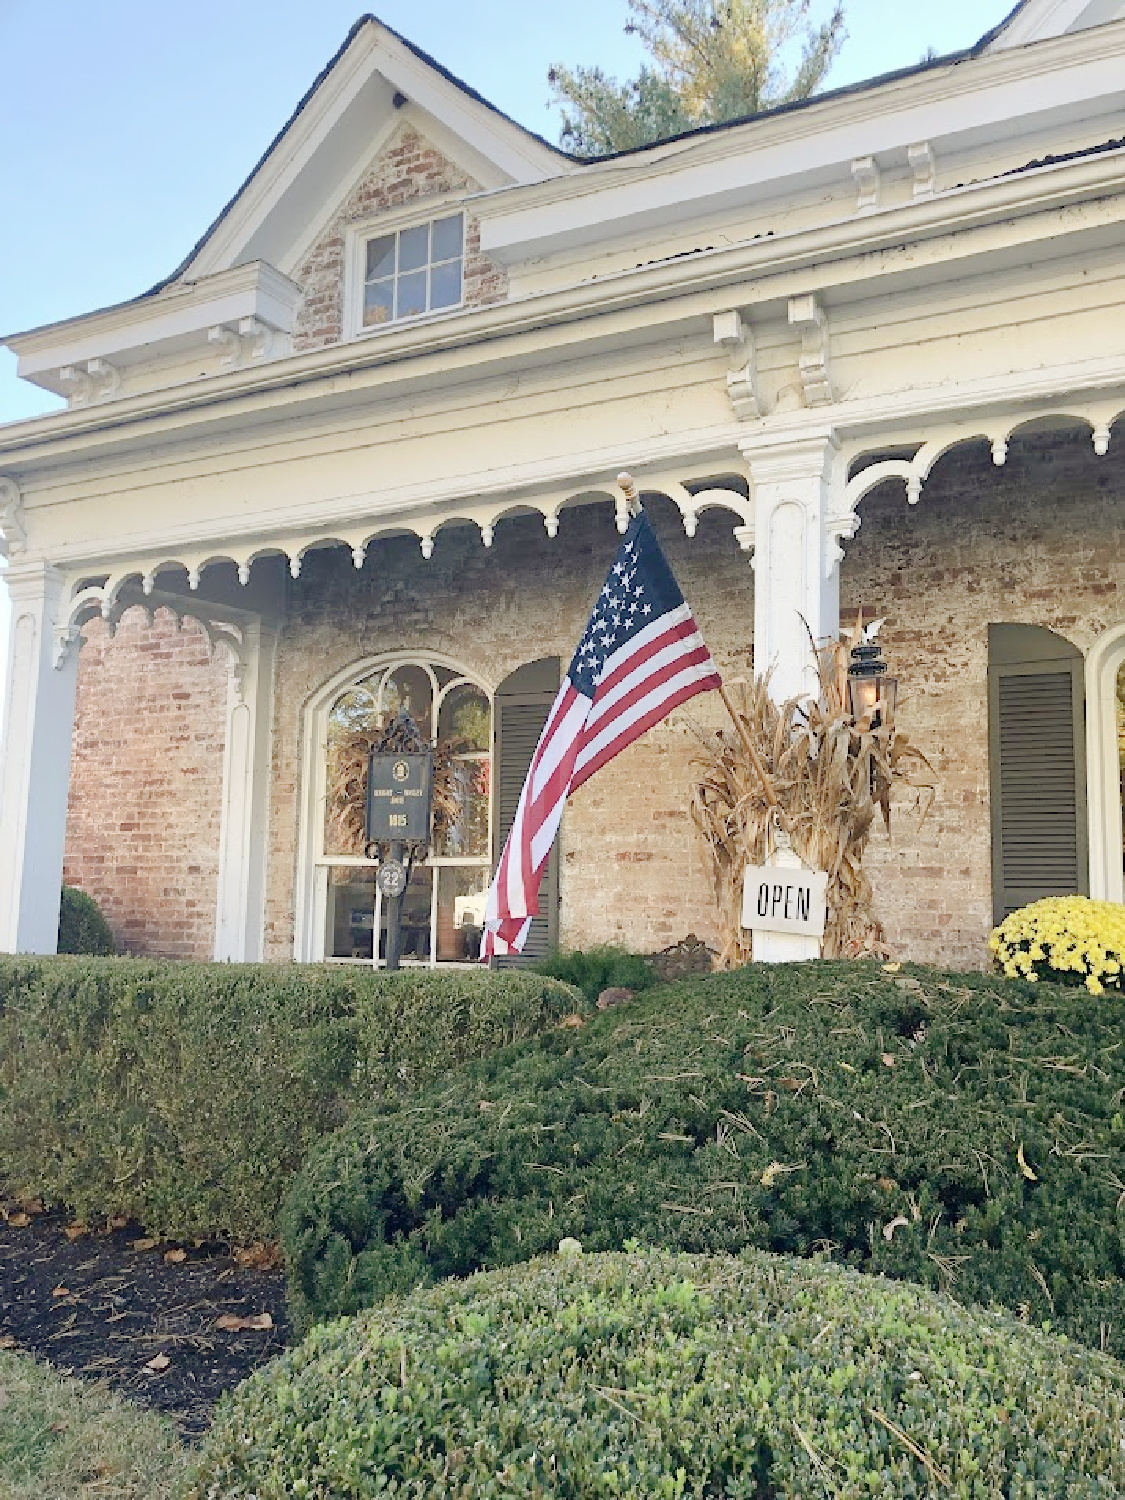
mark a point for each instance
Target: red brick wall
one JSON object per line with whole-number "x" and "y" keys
{"x": 1040, "y": 541}
{"x": 146, "y": 783}
{"x": 408, "y": 170}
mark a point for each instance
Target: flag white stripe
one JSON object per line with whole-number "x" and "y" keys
{"x": 556, "y": 740}
{"x": 604, "y": 703}
{"x": 666, "y": 621}
{"x": 622, "y": 723}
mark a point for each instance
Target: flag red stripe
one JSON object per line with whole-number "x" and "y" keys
{"x": 639, "y": 726}
{"x": 640, "y": 689}
{"x": 627, "y": 665}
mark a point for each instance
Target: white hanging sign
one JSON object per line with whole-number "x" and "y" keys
{"x": 776, "y": 898}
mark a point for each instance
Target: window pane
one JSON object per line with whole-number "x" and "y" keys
{"x": 353, "y": 713}
{"x": 408, "y": 690}
{"x": 466, "y": 834}
{"x": 378, "y": 303}
{"x": 445, "y": 284}
{"x": 465, "y": 719}
{"x": 448, "y": 238}
{"x": 460, "y": 914}
{"x": 415, "y": 922}
{"x": 413, "y": 248}
{"x": 351, "y": 913}
{"x": 412, "y": 294}
{"x": 381, "y": 257}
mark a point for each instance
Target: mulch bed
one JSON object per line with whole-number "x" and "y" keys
{"x": 103, "y": 1305}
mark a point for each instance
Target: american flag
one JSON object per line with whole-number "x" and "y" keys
{"x": 641, "y": 655}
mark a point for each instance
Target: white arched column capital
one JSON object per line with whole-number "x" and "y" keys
{"x": 1104, "y": 660}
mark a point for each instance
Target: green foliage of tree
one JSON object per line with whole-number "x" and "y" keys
{"x": 712, "y": 60}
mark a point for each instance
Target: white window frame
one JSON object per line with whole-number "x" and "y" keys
{"x": 355, "y": 261}
{"x": 313, "y": 864}
{"x": 1103, "y": 662}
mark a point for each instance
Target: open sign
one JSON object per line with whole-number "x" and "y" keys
{"x": 776, "y": 898}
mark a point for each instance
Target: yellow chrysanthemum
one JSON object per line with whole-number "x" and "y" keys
{"x": 1064, "y": 934}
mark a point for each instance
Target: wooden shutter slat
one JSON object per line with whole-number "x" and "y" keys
{"x": 1037, "y": 766}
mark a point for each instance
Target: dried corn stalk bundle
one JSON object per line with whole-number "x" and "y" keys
{"x": 829, "y": 774}
{"x": 348, "y": 753}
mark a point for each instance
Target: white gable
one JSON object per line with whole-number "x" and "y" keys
{"x": 351, "y": 111}
{"x": 1036, "y": 20}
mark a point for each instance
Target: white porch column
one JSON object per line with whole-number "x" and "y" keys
{"x": 796, "y": 559}
{"x": 35, "y": 748}
{"x": 243, "y": 836}
{"x": 796, "y": 589}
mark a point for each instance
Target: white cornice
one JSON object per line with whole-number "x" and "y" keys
{"x": 1002, "y": 92}
{"x": 924, "y": 238}
{"x": 255, "y": 290}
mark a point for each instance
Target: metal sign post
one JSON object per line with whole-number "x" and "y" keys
{"x": 399, "y": 792}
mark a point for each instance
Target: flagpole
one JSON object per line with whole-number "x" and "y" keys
{"x": 755, "y": 759}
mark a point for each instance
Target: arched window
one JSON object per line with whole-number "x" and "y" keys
{"x": 1105, "y": 731}
{"x": 444, "y": 902}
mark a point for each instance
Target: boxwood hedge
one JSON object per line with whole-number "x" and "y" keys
{"x": 654, "y": 1376}
{"x": 187, "y": 1095}
{"x": 966, "y": 1132}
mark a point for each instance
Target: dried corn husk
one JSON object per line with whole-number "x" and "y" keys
{"x": 829, "y": 772}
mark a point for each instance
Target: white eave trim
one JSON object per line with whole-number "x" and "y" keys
{"x": 836, "y": 255}
{"x": 768, "y": 157}
{"x": 185, "y": 309}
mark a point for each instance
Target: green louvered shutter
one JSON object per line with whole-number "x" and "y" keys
{"x": 523, "y": 702}
{"x": 1037, "y": 765}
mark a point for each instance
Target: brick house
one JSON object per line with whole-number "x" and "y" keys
{"x": 360, "y": 450}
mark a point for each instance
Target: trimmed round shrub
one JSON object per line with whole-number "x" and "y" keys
{"x": 963, "y": 1131}
{"x": 1067, "y": 939}
{"x": 647, "y": 1375}
{"x": 82, "y": 925}
{"x": 187, "y": 1095}
{"x": 592, "y": 970}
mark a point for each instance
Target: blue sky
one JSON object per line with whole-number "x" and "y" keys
{"x": 125, "y": 126}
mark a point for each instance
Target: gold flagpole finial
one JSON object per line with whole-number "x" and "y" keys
{"x": 629, "y": 489}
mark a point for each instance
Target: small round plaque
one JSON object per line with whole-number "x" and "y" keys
{"x": 391, "y": 877}
{"x": 400, "y": 770}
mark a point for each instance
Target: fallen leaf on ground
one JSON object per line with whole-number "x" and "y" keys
{"x": 174, "y": 1257}
{"x": 575, "y": 1020}
{"x": 143, "y": 1244}
{"x": 236, "y": 1324}
{"x": 60, "y": 1291}
{"x": 258, "y": 1256}
{"x": 1024, "y": 1168}
{"x": 889, "y": 1059}
{"x": 8, "y": 1342}
{"x": 118, "y": 1221}
{"x": 32, "y": 1205}
{"x": 158, "y": 1362}
{"x": 19, "y": 1221}
{"x": 888, "y": 1184}
{"x": 778, "y": 1169}
{"x": 889, "y": 1229}
{"x": 892, "y": 968}
{"x": 75, "y": 1231}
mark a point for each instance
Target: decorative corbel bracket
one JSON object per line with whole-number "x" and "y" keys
{"x": 924, "y": 166}
{"x": 838, "y": 529}
{"x": 98, "y": 381}
{"x": 736, "y": 337}
{"x": 257, "y": 338}
{"x": 11, "y": 516}
{"x": 744, "y": 536}
{"x": 68, "y": 638}
{"x": 867, "y": 179}
{"x": 807, "y": 315}
{"x": 77, "y": 385}
{"x": 227, "y": 343}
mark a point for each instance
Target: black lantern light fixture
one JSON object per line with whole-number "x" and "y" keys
{"x": 871, "y": 691}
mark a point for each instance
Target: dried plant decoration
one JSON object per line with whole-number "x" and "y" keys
{"x": 350, "y": 748}
{"x": 822, "y": 774}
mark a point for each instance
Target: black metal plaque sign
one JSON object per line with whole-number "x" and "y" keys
{"x": 398, "y": 798}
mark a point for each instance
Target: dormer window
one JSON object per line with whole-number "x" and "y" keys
{"x": 413, "y": 271}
